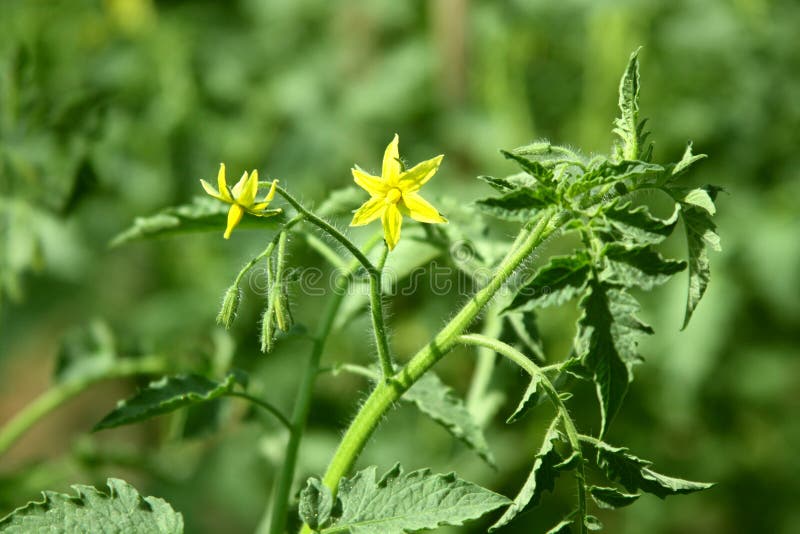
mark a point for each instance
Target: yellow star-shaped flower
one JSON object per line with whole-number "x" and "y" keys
{"x": 242, "y": 197}
{"x": 394, "y": 194}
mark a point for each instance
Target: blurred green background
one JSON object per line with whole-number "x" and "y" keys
{"x": 114, "y": 109}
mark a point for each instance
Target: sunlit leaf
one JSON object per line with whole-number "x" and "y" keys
{"x": 121, "y": 510}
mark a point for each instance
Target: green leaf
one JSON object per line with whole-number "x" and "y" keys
{"x": 637, "y": 266}
{"x": 439, "y": 402}
{"x": 542, "y": 174}
{"x": 316, "y": 504}
{"x": 516, "y": 205}
{"x": 610, "y": 498}
{"x": 606, "y": 344}
{"x": 700, "y": 234}
{"x": 546, "y": 467}
{"x": 557, "y": 282}
{"x": 628, "y": 127}
{"x": 122, "y": 511}
{"x": 202, "y": 215}
{"x": 699, "y": 197}
{"x": 561, "y": 528}
{"x": 407, "y": 502}
{"x": 635, "y": 473}
{"x": 637, "y": 225}
{"x": 686, "y": 161}
{"x": 166, "y": 395}
{"x": 522, "y": 328}
{"x": 498, "y": 184}
{"x": 529, "y": 399}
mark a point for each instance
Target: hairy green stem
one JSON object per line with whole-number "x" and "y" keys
{"x": 376, "y": 312}
{"x": 535, "y": 371}
{"x": 302, "y": 405}
{"x": 63, "y": 391}
{"x": 267, "y": 251}
{"x": 477, "y": 396}
{"x": 375, "y": 290}
{"x": 387, "y": 392}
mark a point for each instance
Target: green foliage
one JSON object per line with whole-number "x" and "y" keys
{"x": 166, "y": 395}
{"x": 628, "y": 127}
{"x": 121, "y": 511}
{"x": 439, "y": 402}
{"x": 635, "y": 474}
{"x": 316, "y": 504}
{"x": 399, "y": 502}
{"x": 202, "y": 215}
{"x": 546, "y": 467}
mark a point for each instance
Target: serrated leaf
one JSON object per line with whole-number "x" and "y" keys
{"x": 628, "y": 127}
{"x": 439, "y": 402}
{"x": 610, "y": 498}
{"x": 546, "y": 467}
{"x": 637, "y": 266}
{"x": 637, "y": 225}
{"x": 498, "y": 184}
{"x": 700, "y": 234}
{"x": 687, "y": 161}
{"x": 542, "y": 174}
{"x": 202, "y": 215}
{"x": 407, "y": 502}
{"x": 563, "y": 278}
{"x": 121, "y": 511}
{"x": 530, "y": 398}
{"x": 316, "y": 504}
{"x": 606, "y": 344}
{"x": 166, "y": 395}
{"x": 516, "y": 205}
{"x": 635, "y": 474}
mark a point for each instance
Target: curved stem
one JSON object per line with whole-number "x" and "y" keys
{"x": 328, "y": 228}
{"x": 263, "y": 404}
{"x": 375, "y": 291}
{"x": 387, "y": 392}
{"x": 62, "y": 392}
{"x": 302, "y": 405}
{"x": 537, "y": 372}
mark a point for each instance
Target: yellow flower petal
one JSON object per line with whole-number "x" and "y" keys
{"x": 416, "y": 176}
{"x": 371, "y": 184}
{"x": 392, "y": 221}
{"x": 222, "y": 184}
{"x": 211, "y": 191}
{"x": 249, "y": 190}
{"x": 420, "y": 210}
{"x": 239, "y": 187}
{"x": 271, "y": 193}
{"x": 390, "y": 171}
{"x": 368, "y": 212}
{"x": 234, "y": 216}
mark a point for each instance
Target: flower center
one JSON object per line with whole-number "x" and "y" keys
{"x": 393, "y": 196}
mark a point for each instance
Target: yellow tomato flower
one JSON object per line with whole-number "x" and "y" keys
{"x": 394, "y": 194}
{"x": 242, "y": 197}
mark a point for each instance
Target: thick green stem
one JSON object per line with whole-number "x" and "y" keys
{"x": 62, "y": 392}
{"x": 537, "y": 372}
{"x": 387, "y": 392}
{"x": 283, "y": 485}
